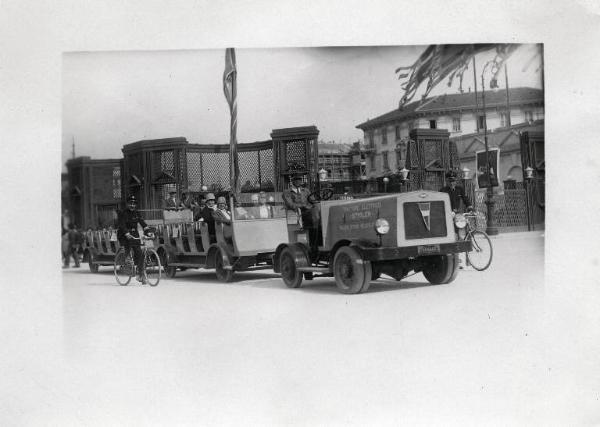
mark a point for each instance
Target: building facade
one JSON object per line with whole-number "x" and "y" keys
{"x": 336, "y": 159}
{"x": 94, "y": 191}
{"x": 386, "y": 136}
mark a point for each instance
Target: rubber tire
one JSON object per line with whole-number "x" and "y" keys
{"x": 118, "y": 263}
{"x": 352, "y": 273}
{"x": 289, "y": 273}
{"x": 93, "y": 266}
{"x": 482, "y": 237}
{"x": 223, "y": 275}
{"x": 149, "y": 255}
{"x": 441, "y": 269}
{"x": 171, "y": 272}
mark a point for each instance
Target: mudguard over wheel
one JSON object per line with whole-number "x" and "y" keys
{"x": 352, "y": 273}
{"x": 223, "y": 275}
{"x": 153, "y": 267}
{"x": 289, "y": 270}
{"x": 441, "y": 269}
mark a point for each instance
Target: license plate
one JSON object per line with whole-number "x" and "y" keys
{"x": 428, "y": 249}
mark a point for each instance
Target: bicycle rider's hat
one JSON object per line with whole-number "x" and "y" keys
{"x": 210, "y": 196}
{"x": 131, "y": 198}
{"x": 451, "y": 176}
{"x": 221, "y": 200}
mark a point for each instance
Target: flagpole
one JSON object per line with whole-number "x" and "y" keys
{"x": 230, "y": 90}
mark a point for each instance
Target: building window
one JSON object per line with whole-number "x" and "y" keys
{"x": 372, "y": 161}
{"x": 384, "y": 136}
{"x": 481, "y": 122}
{"x": 398, "y": 157}
{"x": 456, "y": 124}
{"x": 432, "y": 124}
{"x": 386, "y": 164}
{"x": 397, "y": 132}
{"x": 370, "y": 139}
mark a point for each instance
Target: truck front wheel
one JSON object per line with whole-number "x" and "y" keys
{"x": 441, "y": 269}
{"x": 352, "y": 273}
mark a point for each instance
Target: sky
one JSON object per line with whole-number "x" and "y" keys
{"x": 115, "y": 98}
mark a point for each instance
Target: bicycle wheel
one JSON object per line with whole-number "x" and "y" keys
{"x": 153, "y": 267}
{"x": 123, "y": 267}
{"x": 480, "y": 255}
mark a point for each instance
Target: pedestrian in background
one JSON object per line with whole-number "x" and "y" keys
{"x": 75, "y": 239}
{"x": 64, "y": 246}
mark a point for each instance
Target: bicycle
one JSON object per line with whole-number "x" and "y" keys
{"x": 480, "y": 255}
{"x": 125, "y": 268}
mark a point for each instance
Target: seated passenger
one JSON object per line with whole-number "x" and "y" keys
{"x": 206, "y": 215}
{"x": 221, "y": 214}
{"x": 171, "y": 203}
{"x": 263, "y": 210}
{"x": 241, "y": 212}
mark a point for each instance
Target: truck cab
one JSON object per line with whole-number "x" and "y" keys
{"x": 360, "y": 239}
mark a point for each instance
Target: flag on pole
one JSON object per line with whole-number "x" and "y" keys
{"x": 230, "y": 90}
{"x": 447, "y": 60}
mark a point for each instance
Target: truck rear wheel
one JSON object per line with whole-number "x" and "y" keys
{"x": 441, "y": 269}
{"x": 289, "y": 273}
{"x": 352, "y": 273}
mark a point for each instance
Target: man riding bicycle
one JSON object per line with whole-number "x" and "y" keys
{"x": 129, "y": 237}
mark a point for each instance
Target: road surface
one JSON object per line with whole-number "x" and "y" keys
{"x": 194, "y": 351}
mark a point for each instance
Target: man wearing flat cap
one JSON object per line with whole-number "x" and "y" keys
{"x": 296, "y": 196}
{"x": 459, "y": 202}
{"x": 171, "y": 203}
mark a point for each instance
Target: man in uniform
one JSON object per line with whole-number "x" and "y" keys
{"x": 129, "y": 237}
{"x": 459, "y": 202}
{"x": 296, "y": 198}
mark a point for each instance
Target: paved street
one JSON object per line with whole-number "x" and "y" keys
{"x": 255, "y": 352}
{"x": 196, "y": 352}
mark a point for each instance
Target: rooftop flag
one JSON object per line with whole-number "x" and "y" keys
{"x": 230, "y": 90}
{"x": 447, "y": 60}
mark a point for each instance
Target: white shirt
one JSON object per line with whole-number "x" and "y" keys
{"x": 263, "y": 211}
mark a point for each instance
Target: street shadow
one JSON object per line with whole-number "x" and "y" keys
{"x": 204, "y": 276}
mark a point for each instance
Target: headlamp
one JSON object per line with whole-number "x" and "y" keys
{"x": 382, "y": 226}
{"x": 460, "y": 221}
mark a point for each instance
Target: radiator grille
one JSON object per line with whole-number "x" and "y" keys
{"x": 418, "y": 214}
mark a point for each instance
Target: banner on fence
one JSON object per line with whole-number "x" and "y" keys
{"x": 482, "y": 175}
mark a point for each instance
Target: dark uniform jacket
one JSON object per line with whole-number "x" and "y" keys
{"x": 296, "y": 199}
{"x": 457, "y": 197}
{"x": 128, "y": 221}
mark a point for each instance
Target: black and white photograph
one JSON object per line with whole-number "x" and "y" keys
{"x": 261, "y": 228}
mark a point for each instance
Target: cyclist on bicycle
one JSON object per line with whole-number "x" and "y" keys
{"x": 129, "y": 237}
{"x": 458, "y": 198}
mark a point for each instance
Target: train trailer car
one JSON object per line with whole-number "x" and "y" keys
{"x": 246, "y": 242}
{"x": 360, "y": 239}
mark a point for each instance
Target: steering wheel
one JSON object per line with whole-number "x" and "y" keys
{"x": 317, "y": 196}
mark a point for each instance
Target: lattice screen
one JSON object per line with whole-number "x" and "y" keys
{"x": 163, "y": 161}
{"x": 215, "y": 171}
{"x": 267, "y": 170}
{"x": 116, "y": 183}
{"x": 194, "y": 170}
{"x": 249, "y": 170}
